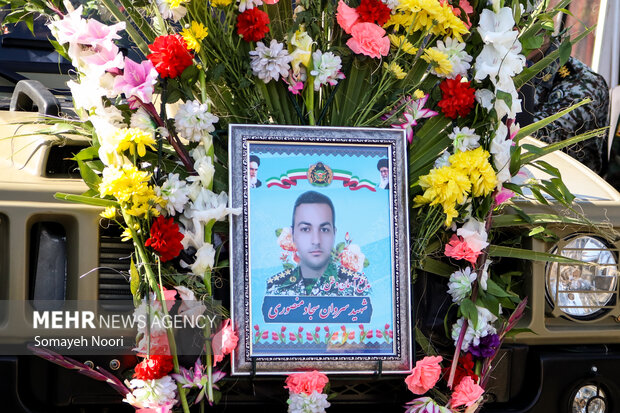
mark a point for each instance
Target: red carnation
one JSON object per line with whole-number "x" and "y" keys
{"x": 464, "y": 368}
{"x": 252, "y": 25}
{"x": 373, "y": 11}
{"x": 154, "y": 367}
{"x": 170, "y": 55}
{"x": 457, "y": 97}
{"x": 165, "y": 238}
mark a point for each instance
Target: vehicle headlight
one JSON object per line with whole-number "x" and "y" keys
{"x": 583, "y": 290}
{"x": 589, "y": 399}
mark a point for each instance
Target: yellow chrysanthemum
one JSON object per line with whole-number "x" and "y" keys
{"x": 194, "y": 34}
{"x": 476, "y": 165}
{"x": 419, "y": 94}
{"x": 130, "y": 187}
{"x": 446, "y": 186}
{"x": 433, "y": 16}
{"x": 176, "y": 3}
{"x": 109, "y": 212}
{"x": 438, "y": 60}
{"x": 398, "y": 20}
{"x": 395, "y": 69}
{"x": 402, "y": 43}
{"x": 133, "y": 139}
{"x": 221, "y": 3}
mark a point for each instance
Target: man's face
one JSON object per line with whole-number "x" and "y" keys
{"x": 313, "y": 235}
{"x": 384, "y": 172}
{"x": 253, "y": 169}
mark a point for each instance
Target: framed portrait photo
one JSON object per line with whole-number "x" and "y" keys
{"x": 320, "y": 253}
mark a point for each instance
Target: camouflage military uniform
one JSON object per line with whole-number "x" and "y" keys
{"x": 557, "y": 88}
{"x": 335, "y": 281}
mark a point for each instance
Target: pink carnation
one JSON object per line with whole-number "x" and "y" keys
{"x": 224, "y": 341}
{"x": 306, "y": 382}
{"x": 466, "y": 393}
{"x": 457, "y": 248}
{"x": 346, "y": 16}
{"x": 369, "y": 39}
{"x": 271, "y": 1}
{"x": 425, "y": 375}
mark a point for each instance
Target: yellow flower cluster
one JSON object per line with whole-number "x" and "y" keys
{"x": 438, "y": 60}
{"x": 395, "y": 69}
{"x": 402, "y": 43}
{"x": 130, "y": 187}
{"x": 468, "y": 173}
{"x": 428, "y": 15}
{"x": 221, "y": 3}
{"x": 194, "y": 34}
{"x": 476, "y": 165}
{"x": 133, "y": 139}
{"x": 173, "y": 4}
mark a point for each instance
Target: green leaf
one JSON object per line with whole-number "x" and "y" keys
{"x": 519, "y": 253}
{"x": 539, "y": 197}
{"x": 134, "y": 283}
{"x": 89, "y": 176}
{"x": 278, "y": 232}
{"x": 468, "y": 310}
{"x": 533, "y": 42}
{"x": 565, "y": 51}
{"x": 496, "y": 290}
{"x": 530, "y": 129}
{"x": 528, "y": 158}
{"x": 366, "y": 262}
{"x": 87, "y": 154}
{"x": 489, "y": 302}
{"x": 506, "y": 97}
{"x": 513, "y": 332}
{"x": 551, "y": 170}
{"x": 512, "y": 220}
{"x": 532, "y": 148}
{"x": 437, "y": 267}
{"x": 80, "y": 199}
{"x": 513, "y": 187}
{"x": 424, "y": 343}
{"x": 536, "y": 230}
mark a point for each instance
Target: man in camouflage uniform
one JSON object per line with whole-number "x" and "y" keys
{"x": 314, "y": 230}
{"x": 556, "y": 88}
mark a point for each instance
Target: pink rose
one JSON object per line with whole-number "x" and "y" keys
{"x": 271, "y": 1}
{"x": 346, "y": 16}
{"x": 285, "y": 240}
{"x": 424, "y": 375}
{"x": 466, "y": 393}
{"x": 306, "y": 382}
{"x": 224, "y": 341}
{"x": 352, "y": 258}
{"x": 369, "y": 39}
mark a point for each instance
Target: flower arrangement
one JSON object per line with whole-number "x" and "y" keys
{"x": 445, "y": 71}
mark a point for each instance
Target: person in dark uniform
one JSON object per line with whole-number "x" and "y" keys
{"x": 254, "y": 164}
{"x": 314, "y": 232}
{"x": 384, "y": 172}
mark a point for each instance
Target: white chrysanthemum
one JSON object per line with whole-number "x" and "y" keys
{"x": 205, "y": 260}
{"x": 314, "y": 402}
{"x": 459, "y": 286}
{"x": 443, "y": 160}
{"x": 249, "y": 4}
{"x": 326, "y": 69}
{"x": 392, "y": 4}
{"x": 457, "y": 55}
{"x": 153, "y": 311}
{"x": 175, "y": 193}
{"x": 173, "y": 13}
{"x": 194, "y": 121}
{"x": 151, "y": 393}
{"x": 464, "y": 139}
{"x": 141, "y": 119}
{"x": 474, "y": 234}
{"x": 483, "y": 328}
{"x": 270, "y": 62}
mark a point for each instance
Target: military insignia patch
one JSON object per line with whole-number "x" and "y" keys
{"x": 320, "y": 174}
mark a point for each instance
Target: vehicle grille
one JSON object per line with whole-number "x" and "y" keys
{"x": 114, "y": 262}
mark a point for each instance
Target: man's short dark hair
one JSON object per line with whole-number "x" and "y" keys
{"x": 254, "y": 158}
{"x": 383, "y": 163}
{"x": 313, "y": 197}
